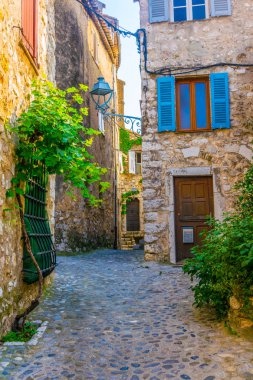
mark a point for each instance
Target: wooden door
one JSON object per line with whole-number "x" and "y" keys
{"x": 133, "y": 215}
{"x": 193, "y": 203}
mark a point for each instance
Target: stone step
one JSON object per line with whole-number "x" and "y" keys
{"x": 126, "y": 248}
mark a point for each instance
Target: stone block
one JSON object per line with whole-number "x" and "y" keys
{"x": 191, "y": 152}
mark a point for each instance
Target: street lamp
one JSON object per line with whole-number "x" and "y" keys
{"x": 101, "y": 95}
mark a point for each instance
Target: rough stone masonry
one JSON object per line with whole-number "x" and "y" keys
{"x": 223, "y": 154}
{"x": 16, "y": 73}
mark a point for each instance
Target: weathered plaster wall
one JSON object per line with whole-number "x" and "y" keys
{"x": 79, "y": 227}
{"x": 227, "y": 153}
{"x": 16, "y": 73}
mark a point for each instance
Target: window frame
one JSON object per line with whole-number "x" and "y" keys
{"x": 189, "y": 13}
{"x": 138, "y": 165}
{"x": 31, "y": 45}
{"x": 191, "y": 81}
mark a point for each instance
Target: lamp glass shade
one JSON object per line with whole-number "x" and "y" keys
{"x": 101, "y": 88}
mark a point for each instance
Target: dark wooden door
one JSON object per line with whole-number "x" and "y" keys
{"x": 194, "y": 202}
{"x": 133, "y": 215}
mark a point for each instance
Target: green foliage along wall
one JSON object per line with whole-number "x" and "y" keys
{"x": 126, "y": 143}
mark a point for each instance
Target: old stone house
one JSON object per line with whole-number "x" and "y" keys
{"x": 27, "y": 46}
{"x": 197, "y": 86}
{"x": 86, "y": 48}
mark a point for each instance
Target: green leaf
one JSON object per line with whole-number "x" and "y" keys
{"x": 10, "y": 193}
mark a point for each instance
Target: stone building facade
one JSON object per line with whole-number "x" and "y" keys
{"x": 86, "y": 48}
{"x": 197, "y": 97}
{"x": 18, "y": 67}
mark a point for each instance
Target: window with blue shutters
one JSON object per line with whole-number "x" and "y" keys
{"x": 187, "y": 10}
{"x": 166, "y": 104}
{"x": 192, "y": 105}
{"x": 220, "y": 100}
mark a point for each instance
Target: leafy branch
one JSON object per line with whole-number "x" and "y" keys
{"x": 51, "y": 131}
{"x": 126, "y": 142}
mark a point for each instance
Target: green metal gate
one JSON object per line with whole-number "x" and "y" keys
{"x": 38, "y": 229}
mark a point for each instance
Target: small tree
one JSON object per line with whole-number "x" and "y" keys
{"x": 51, "y": 132}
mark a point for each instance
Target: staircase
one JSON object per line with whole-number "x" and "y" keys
{"x": 129, "y": 239}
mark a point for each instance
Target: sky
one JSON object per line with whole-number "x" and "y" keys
{"x": 127, "y": 12}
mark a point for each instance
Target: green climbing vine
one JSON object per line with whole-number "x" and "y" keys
{"x": 51, "y": 135}
{"x": 51, "y": 132}
{"x": 126, "y": 198}
{"x": 126, "y": 143}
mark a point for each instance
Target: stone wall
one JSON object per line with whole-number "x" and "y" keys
{"x": 16, "y": 73}
{"x": 223, "y": 154}
{"x": 78, "y": 226}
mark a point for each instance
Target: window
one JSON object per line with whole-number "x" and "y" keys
{"x": 184, "y": 10}
{"x": 38, "y": 229}
{"x": 30, "y": 27}
{"x": 184, "y": 104}
{"x": 138, "y": 163}
{"x": 134, "y": 162}
{"x": 193, "y": 104}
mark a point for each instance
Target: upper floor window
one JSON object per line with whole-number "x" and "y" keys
{"x": 186, "y": 10}
{"x": 135, "y": 161}
{"x": 29, "y": 25}
{"x": 138, "y": 163}
{"x": 188, "y": 105}
{"x": 189, "y": 10}
{"x": 193, "y": 104}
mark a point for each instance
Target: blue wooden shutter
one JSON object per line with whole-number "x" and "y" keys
{"x": 220, "y": 100}
{"x": 158, "y": 10}
{"x": 166, "y": 104}
{"x": 220, "y": 7}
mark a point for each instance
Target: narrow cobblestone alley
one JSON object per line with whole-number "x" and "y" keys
{"x": 112, "y": 316}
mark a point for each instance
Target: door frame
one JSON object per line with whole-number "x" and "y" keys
{"x": 218, "y": 199}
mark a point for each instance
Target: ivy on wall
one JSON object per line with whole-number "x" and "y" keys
{"x": 126, "y": 198}
{"x": 126, "y": 143}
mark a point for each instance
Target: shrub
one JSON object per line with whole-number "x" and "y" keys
{"x": 223, "y": 264}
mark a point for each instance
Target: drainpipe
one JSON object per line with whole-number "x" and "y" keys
{"x": 115, "y": 243}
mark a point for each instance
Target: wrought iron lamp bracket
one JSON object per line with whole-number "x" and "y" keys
{"x": 132, "y": 123}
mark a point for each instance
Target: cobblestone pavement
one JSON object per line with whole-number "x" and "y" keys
{"x": 112, "y": 316}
